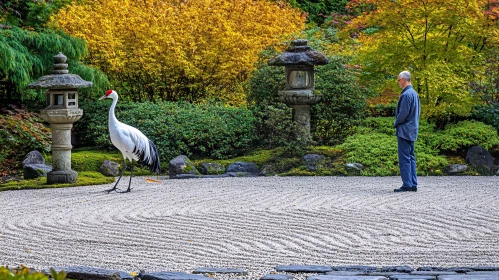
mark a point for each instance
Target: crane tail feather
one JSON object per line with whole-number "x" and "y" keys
{"x": 150, "y": 159}
{"x": 153, "y": 152}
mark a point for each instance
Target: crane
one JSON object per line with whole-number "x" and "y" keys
{"x": 132, "y": 143}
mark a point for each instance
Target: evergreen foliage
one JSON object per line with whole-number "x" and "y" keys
{"x": 375, "y": 145}
{"x": 318, "y": 10}
{"x": 27, "y": 55}
{"x": 206, "y": 130}
{"x": 457, "y": 138}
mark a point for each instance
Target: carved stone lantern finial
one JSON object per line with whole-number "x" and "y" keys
{"x": 61, "y": 112}
{"x": 299, "y": 60}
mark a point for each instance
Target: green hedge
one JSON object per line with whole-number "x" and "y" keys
{"x": 457, "y": 138}
{"x": 206, "y": 130}
{"x": 375, "y": 145}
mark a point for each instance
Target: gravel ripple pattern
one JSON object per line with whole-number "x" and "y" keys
{"x": 254, "y": 224}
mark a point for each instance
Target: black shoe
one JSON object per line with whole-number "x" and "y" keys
{"x": 406, "y": 189}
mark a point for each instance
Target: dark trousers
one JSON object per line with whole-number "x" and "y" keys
{"x": 407, "y": 163}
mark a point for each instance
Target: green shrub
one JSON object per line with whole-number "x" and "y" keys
{"x": 375, "y": 146}
{"x": 457, "y": 138}
{"x": 385, "y": 125}
{"x": 383, "y": 110}
{"x": 206, "y": 130}
{"x": 342, "y": 105}
{"x": 378, "y": 153}
{"x": 24, "y": 273}
{"x": 488, "y": 114}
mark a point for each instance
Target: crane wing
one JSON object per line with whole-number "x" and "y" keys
{"x": 133, "y": 144}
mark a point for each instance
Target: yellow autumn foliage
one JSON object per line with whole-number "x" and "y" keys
{"x": 178, "y": 49}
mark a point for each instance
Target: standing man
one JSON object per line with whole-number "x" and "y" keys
{"x": 407, "y": 125}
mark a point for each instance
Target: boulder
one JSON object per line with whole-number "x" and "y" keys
{"x": 456, "y": 169}
{"x": 209, "y": 168}
{"x": 34, "y": 166}
{"x": 481, "y": 159}
{"x": 242, "y": 169}
{"x": 314, "y": 161}
{"x": 92, "y": 273}
{"x": 110, "y": 168}
{"x": 33, "y": 171}
{"x": 182, "y": 165}
{"x": 33, "y": 157}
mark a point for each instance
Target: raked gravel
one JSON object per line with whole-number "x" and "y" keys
{"x": 254, "y": 223}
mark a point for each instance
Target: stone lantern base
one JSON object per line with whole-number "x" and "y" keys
{"x": 62, "y": 177}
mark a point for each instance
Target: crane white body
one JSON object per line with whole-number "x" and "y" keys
{"x": 131, "y": 142}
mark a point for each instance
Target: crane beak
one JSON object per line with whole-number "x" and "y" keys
{"x": 103, "y": 97}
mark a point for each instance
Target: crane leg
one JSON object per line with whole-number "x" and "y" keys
{"x": 130, "y": 182}
{"x": 121, "y": 175}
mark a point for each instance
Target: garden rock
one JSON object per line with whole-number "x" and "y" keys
{"x": 481, "y": 159}
{"x": 208, "y": 168}
{"x": 33, "y": 157}
{"x": 221, "y": 270}
{"x": 456, "y": 168}
{"x": 109, "y": 168}
{"x": 33, "y": 171}
{"x": 34, "y": 165}
{"x": 304, "y": 268}
{"x": 314, "y": 161}
{"x": 172, "y": 276}
{"x": 357, "y": 268}
{"x": 243, "y": 169}
{"x": 277, "y": 277}
{"x": 398, "y": 269}
{"x": 92, "y": 273}
{"x": 182, "y": 165}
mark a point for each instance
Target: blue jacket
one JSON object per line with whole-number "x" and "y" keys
{"x": 407, "y": 114}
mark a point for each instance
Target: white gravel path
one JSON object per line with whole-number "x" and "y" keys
{"x": 254, "y": 224}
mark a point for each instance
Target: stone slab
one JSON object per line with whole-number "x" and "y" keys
{"x": 202, "y": 270}
{"x": 401, "y": 269}
{"x": 304, "y": 268}
{"x": 433, "y": 273}
{"x": 460, "y": 269}
{"x": 173, "y": 276}
{"x": 412, "y": 277}
{"x": 467, "y": 277}
{"x": 277, "y": 277}
{"x": 386, "y": 274}
{"x": 362, "y": 268}
{"x": 92, "y": 273}
{"x": 335, "y": 277}
{"x": 485, "y": 268}
{"x": 347, "y": 273}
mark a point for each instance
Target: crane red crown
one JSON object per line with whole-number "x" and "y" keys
{"x": 109, "y": 92}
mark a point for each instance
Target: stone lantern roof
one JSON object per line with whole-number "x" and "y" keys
{"x": 299, "y": 53}
{"x": 60, "y": 79}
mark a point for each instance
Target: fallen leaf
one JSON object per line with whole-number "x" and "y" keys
{"x": 152, "y": 181}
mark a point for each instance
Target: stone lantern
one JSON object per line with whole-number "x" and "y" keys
{"x": 299, "y": 61}
{"x": 61, "y": 112}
